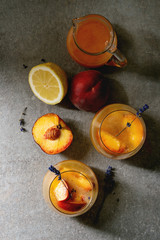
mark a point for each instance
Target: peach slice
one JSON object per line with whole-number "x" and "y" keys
{"x": 61, "y": 191}
{"x": 71, "y": 206}
{"x": 112, "y": 143}
{"x": 135, "y": 131}
{"x": 82, "y": 182}
{"x": 52, "y": 134}
{"x": 76, "y": 197}
{"x": 79, "y": 180}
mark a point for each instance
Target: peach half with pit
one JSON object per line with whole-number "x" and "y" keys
{"x": 52, "y": 134}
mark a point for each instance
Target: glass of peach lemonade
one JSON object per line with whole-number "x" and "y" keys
{"x": 74, "y": 191}
{"x": 92, "y": 42}
{"x": 117, "y": 132}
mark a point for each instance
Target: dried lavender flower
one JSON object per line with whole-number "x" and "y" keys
{"x": 22, "y": 121}
{"x": 141, "y": 110}
{"x": 109, "y": 184}
{"x": 56, "y": 171}
{"x": 43, "y": 60}
{"x": 25, "y": 66}
{"x": 23, "y": 129}
{"x": 109, "y": 179}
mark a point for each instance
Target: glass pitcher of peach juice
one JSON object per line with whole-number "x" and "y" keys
{"x": 92, "y": 42}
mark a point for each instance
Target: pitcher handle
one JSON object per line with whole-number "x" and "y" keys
{"x": 117, "y": 59}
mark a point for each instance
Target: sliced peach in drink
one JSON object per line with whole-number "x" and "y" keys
{"x": 112, "y": 143}
{"x": 52, "y": 134}
{"x": 61, "y": 191}
{"x": 78, "y": 196}
{"x": 71, "y": 206}
{"x": 84, "y": 183}
{"x": 135, "y": 131}
{"x": 79, "y": 180}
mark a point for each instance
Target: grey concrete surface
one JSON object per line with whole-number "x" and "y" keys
{"x": 32, "y": 30}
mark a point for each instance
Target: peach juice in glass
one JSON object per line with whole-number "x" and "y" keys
{"x": 92, "y": 42}
{"x": 74, "y": 191}
{"x": 117, "y": 132}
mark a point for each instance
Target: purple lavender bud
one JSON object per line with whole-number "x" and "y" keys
{"x": 109, "y": 173}
{"x": 59, "y": 177}
{"x": 23, "y": 129}
{"x": 43, "y": 60}
{"x": 22, "y": 122}
{"x": 141, "y": 110}
{"x": 25, "y": 66}
{"x": 128, "y": 124}
{"x": 145, "y": 107}
{"x": 53, "y": 169}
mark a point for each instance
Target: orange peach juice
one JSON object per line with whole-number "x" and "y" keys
{"x": 112, "y": 137}
{"x": 93, "y": 36}
{"x": 75, "y": 192}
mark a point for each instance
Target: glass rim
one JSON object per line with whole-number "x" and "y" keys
{"x": 135, "y": 149}
{"x": 100, "y": 18}
{"x": 76, "y": 212}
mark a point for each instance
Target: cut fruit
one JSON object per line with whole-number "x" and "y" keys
{"x": 76, "y": 197}
{"x": 112, "y": 143}
{"x": 82, "y": 182}
{"x": 52, "y": 133}
{"x": 50, "y": 140}
{"x": 71, "y": 206}
{"x": 48, "y": 82}
{"x": 79, "y": 180}
{"x": 135, "y": 131}
{"x": 61, "y": 191}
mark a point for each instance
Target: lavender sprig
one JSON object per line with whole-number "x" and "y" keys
{"x": 141, "y": 110}
{"x": 25, "y": 66}
{"x": 22, "y": 121}
{"x": 138, "y": 114}
{"x": 56, "y": 171}
{"x": 108, "y": 187}
{"x": 23, "y": 129}
{"x": 43, "y": 60}
{"x": 109, "y": 180}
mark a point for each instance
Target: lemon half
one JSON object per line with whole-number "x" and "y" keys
{"x": 48, "y": 82}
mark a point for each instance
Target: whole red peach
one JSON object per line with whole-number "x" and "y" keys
{"x": 89, "y": 90}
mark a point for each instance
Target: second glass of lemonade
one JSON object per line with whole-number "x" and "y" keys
{"x": 76, "y": 191}
{"x": 117, "y": 132}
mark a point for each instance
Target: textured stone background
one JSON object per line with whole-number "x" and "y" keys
{"x": 31, "y": 30}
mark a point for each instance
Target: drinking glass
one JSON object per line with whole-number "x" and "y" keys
{"x": 82, "y": 184}
{"x": 117, "y": 132}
